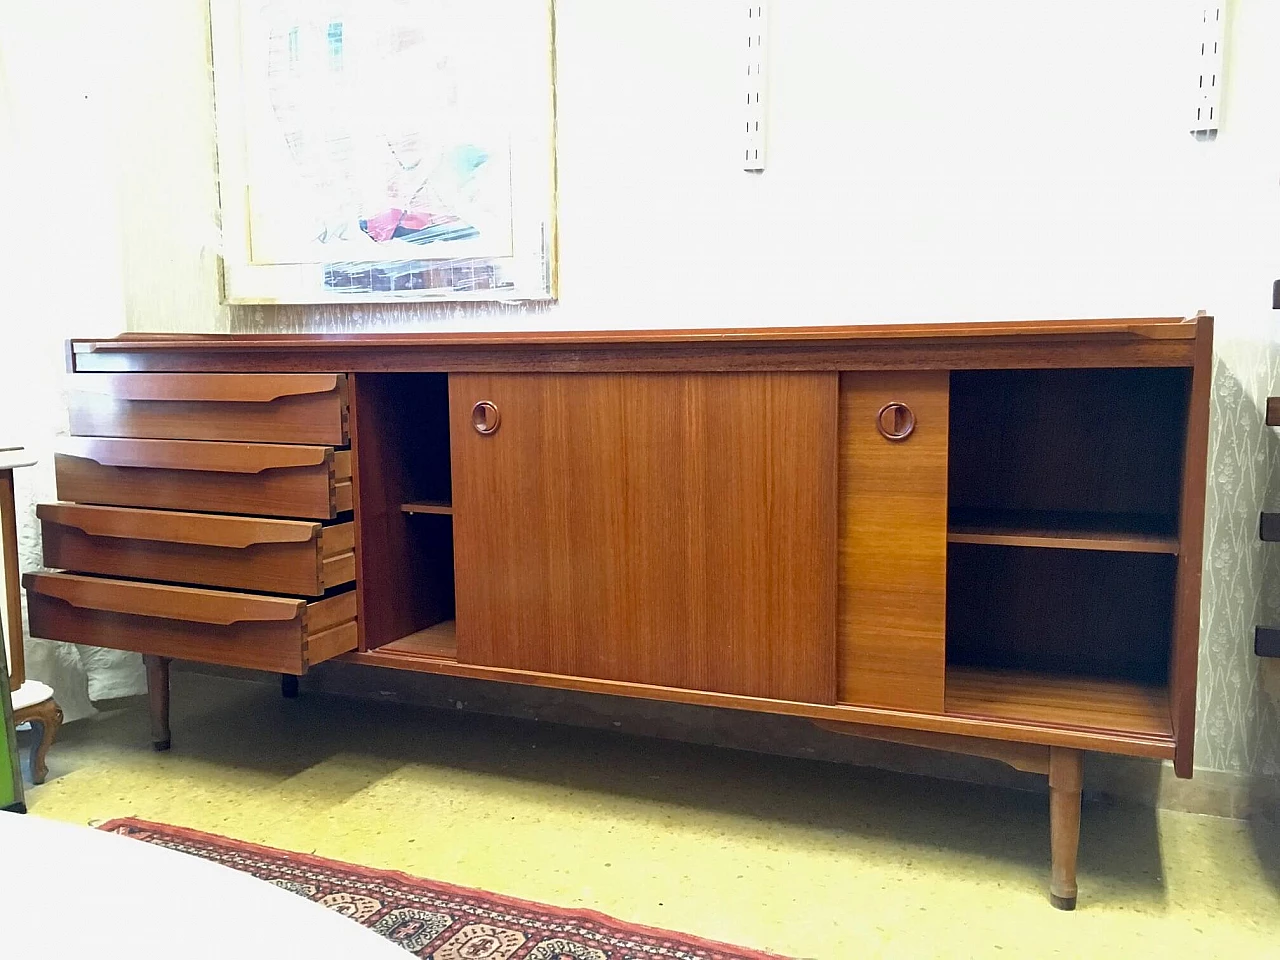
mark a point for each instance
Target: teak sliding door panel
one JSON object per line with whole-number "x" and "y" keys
{"x": 667, "y": 529}
{"x": 893, "y": 540}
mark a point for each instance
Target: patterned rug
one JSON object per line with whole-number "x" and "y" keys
{"x": 438, "y": 921}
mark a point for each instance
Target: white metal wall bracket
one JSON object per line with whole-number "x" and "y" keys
{"x": 1211, "y": 53}
{"x": 756, "y": 86}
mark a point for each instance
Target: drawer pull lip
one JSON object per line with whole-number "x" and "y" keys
{"x": 208, "y": 456}
{"x": 144, "y": 599}
{"x": 204, "y": 387}
{"x": 171, "y": 526}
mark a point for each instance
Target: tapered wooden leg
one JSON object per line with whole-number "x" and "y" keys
{"x": 1066, "y": 777}
{"x": 48, "y": 717}
{"x": 158, "y": 698}
{"x": 288, "y": 686}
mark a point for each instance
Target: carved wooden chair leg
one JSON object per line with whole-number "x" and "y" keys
{"x": 288, "y": 686}
{"x": 158, "y": 700}
{"x": 1066, "y": 778}
{"x": 46, "y": 715}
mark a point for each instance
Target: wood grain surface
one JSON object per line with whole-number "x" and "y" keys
{"x": 294, "y": 408}
{"x": 1052, "y": 699}
{"x": 663, "y": 529}
{"x": 248, "y": 553}
{"x": 1117, "y": 533}
{"x": 1149, "y": 743}
{"x": 1185, "y": 662}
{"x": 207, "y": 626}
{"x": 256, "y": 479}
{"x": 893, "y": 543}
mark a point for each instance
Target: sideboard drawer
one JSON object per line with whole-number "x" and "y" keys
{"x": 209, "y": 626}
{"x": 269, "y": 408}
{"x": 272, "y": 480}
{"x": 249, "y": 553}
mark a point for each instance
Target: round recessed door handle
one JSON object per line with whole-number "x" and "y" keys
{"x": 485, "y": 417}
{"x": 895, "y": 421}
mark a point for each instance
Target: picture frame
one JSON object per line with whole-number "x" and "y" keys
{"x": 385, "y": 150}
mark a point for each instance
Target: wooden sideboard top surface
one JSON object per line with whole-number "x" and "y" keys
{"x": 1151, "y": 341}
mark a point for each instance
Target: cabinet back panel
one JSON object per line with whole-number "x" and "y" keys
{"x": 1077, "y": 612}
{"x": 1088, "y": 441}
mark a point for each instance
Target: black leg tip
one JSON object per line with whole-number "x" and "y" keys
{"x": 288, "y": 686}
{"x": 18, "y": 807}
{"x": 160, "y": 745}
{"x": 1062, "y": 903}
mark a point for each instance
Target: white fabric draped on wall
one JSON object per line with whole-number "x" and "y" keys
{"x": 60, "y": 275}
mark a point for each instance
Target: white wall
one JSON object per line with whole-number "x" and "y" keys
{"x": 60, "y": 262}
{"x": 972, "y": 159}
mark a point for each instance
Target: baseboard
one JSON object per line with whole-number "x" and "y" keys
{"x": 1149, "y": 783}
{"x": 1215, "y": 793}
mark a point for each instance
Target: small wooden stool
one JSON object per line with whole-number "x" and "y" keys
{"x": 32, "y": 701}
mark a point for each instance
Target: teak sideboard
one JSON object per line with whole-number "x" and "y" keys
{"x": 983, "y": 538}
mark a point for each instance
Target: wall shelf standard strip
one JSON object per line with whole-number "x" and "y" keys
{"x": 438, "y": 507}
{"x": 1116, "y": 534}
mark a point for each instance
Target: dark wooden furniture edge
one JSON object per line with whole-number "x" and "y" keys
{"x": 1156, "y": 341}
{"x": 1269, "y": 527}
{"x": 1156, "y": 327}
{"x": 1123, "y": 742}
{"x": 1185, "y": 661}
{"x": 1266, "y": 641}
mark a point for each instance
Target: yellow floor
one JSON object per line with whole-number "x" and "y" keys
{"x": 803, "y": 858}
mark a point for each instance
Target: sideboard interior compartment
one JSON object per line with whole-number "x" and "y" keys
{"x": 1064, "y": 612}
{"x": 1068, "y": 453}
{"x": 1065, "y": 488}
{"x": 401, "y": 445}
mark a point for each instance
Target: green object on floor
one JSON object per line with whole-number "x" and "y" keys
{"x": 10, "y": 770}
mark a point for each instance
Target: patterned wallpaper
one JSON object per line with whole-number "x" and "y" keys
{"x": 1238, "y": 727}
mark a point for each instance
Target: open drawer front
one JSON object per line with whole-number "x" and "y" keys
{"x": 259, "y": 407}
{"x": 249, "y": 553}
{"x": 262, "y": 479}
{"x": 278, "y": 634}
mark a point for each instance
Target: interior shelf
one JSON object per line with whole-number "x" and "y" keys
{"x": 439, "y": 642}
{"x": 1118, "y": 705}
{"x": 439, "y": 507}
{"x": 1117, "y": 533}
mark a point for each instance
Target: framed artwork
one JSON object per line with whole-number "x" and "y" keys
{"x": 373, "y": 150}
